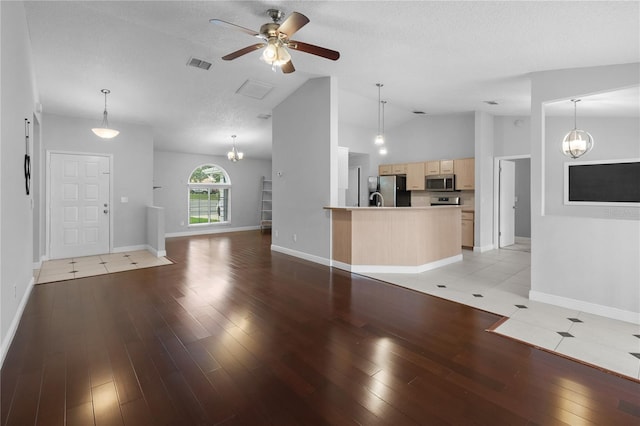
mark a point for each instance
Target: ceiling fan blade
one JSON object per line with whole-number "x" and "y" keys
{"x": 287, "y": 68}
{"x": 314, "y": 50}
{"x": 293, "y": 23}
{"x": 243, "y": 51}
{"x": 234, "y": 27}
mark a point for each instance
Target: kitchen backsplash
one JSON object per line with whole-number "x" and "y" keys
{"x": 423, "y": 198}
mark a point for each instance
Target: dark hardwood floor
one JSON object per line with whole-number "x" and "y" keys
{"x": 234, "y": 334}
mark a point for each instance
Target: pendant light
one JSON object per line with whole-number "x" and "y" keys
{"x": 104, "y": 131}
{"x": 234, "y": 155}
{"x": 379, "y": 140}
{"x": 577, "y": 142}
{"x": 383, "y": 149}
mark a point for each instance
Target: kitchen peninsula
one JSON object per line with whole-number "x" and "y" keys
{"x": 395, "y": 239}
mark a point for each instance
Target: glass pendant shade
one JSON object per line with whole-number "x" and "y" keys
{"x": 379, "y": 140}
{"x": 382, "y": 150}
{"x": 275, "y": 54}
{"x": 577, "y": 142}
{"x": 104, "y": 131}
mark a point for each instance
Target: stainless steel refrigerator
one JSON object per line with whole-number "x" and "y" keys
{"x": 393, "y": 189}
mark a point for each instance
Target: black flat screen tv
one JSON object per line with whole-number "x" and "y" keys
{"x": 603, "y": 182}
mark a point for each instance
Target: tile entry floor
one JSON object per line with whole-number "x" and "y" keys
{"x": 88, "y": 266}
{"x": 499, "y": 281}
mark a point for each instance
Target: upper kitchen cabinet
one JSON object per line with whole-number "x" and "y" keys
{"x": 464, "y": 169}
{"x": 415, "y": 176}
{"x": 431, "y": 168}
{"x": 440, "y": 167}
{"x": 400, "y": 169}
{"x": 385, "y": 169}
{"x": 446, "y": 167}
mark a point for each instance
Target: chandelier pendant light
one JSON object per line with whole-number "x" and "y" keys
{"x": 379, "y": 140}
{"x": 104, "y": 131}
{"x": 234, "y": 155}
{"x": 577, "y": 142}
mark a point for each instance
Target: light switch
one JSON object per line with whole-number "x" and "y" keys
{"x": 124, "y": 199}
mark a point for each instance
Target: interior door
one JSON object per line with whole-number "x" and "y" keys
{"x": 79, "y": 205}
{"x": 507, "y": 202}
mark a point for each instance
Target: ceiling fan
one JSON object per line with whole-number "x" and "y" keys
{"x": 276, "y": 40}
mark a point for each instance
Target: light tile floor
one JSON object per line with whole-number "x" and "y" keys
{"x": 499, "y": 281}
{"x": 87, "y": 266}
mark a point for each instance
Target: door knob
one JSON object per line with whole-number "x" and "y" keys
{"x": 105, "y": 211}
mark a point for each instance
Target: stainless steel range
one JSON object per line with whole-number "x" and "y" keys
{"x": 445, "y": 201}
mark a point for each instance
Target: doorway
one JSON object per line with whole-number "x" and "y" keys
{"x": 78, "y": 205}
{"x": 353, "y": 191}
{"x": 513, "y": 203}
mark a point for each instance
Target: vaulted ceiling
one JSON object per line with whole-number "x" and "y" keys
{"x": 439, "y": 57}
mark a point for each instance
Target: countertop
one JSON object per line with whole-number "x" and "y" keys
{"x": 354, "y": 208}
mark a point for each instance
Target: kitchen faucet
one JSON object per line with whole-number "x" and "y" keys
{"x": 381, "y": 202}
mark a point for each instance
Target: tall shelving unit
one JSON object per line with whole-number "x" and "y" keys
{"x": 266, "y": 204}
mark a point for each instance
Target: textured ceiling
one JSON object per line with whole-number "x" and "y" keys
{"x": 439, "y": 57}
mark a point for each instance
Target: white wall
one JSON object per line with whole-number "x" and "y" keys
{"x": 512, "y": 136}
{"x": 171, "y": 174}
{"x": 132, "y": 168}
{"x": 17, "y": 102}
{"x": 585, "y": 263}
{"x": 305, "y": 143}
{"x": 438, "y": 137}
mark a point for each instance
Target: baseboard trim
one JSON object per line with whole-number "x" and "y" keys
{"x": 482, "y": 249}
{"x": 301, "y": 255}
{"x": 11, "y": 332}
{"x": 391, "y": 269}
{"x": 211, "y": 231}
{"x": 156, "y": 253}
{"x": 129, "y": 248}
{"x": 591, "y": 308}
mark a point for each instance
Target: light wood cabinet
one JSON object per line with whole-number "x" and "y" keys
{"x": 464, "y": 169}
{"x": 446, "y": 167}
{"x": 415, "y": 177}
{"x": 400, "y": 169}
{"x": 467, "y": 229}
{"x": 431, "y": 168}
{"x": 385, "y": 169}
{"x": 440, "y": 167}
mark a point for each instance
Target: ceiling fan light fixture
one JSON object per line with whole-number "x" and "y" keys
{"x": 104, "y": 131}
{"x": 275, "y": 53}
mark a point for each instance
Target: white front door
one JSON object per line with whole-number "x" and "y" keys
{"x": 507, "y": 202}
{"x": 79, "y": 205}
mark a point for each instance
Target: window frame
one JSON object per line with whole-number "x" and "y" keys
{"x": 209, "y": 186}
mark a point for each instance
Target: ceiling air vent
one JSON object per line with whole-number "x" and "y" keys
{"x": 254, "y": 89}
{"x": 264, "y": 116}
{"x": 199, "y": 63}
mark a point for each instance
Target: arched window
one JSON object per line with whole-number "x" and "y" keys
{"x": 209, "y": 189}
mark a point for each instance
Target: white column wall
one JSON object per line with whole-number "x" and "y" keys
{"x": 305, "y": 160}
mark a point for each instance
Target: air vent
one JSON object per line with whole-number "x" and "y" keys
{"x": 264, "y": 116}
{"x": 419, "y": 113}
{"x": 199, "y": 63}
{"x": 254, "y": 89}
{"x": 491, "y": 102}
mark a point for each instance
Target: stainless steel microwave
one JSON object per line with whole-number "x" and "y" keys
{"x": 440, "y": 183}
